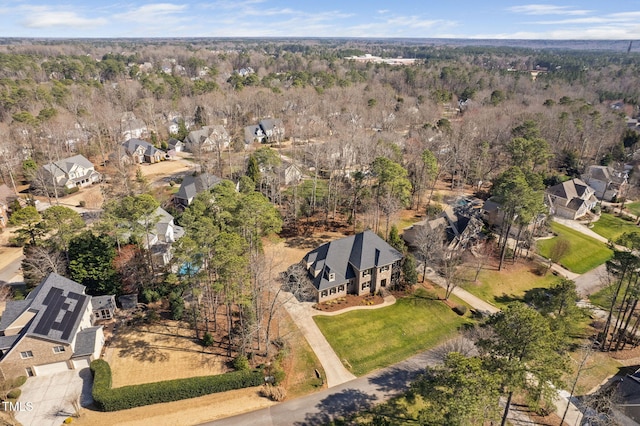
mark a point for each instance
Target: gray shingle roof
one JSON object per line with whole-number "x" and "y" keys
{"x": 103, "y": 302}
{"x": 85, "y": 341}
{"x": 12, "y": 310}
{"x": 193, "y": 185}
{"x": 132, "y": 145}
{"x": 347, "y": 256}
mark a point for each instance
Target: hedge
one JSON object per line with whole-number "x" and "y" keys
{"x": 108, "y": 399}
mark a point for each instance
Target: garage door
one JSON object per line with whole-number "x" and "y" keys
{"x": 79, "y": 364}
{"x": 43, "y": 370}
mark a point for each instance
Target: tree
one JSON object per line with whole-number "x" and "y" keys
{"x": 91, "y": 263}
{"x": 518, "y": 198}
{"x": 526, "y": 353}
{"x": 395, "y": 240}
{"x": 32, "y": 227}
{"x": 409, "y": 271}
{"x": 464, "y": 391}
{"x": 253, "y": 170}
{"x": 392, "y": 187}
{"x": 63, "y": 224}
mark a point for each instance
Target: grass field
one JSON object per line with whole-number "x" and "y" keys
{"x": 584, "y": 253}
{"x": 611, "y": 227}
{"x": 372, "y": 339}
{"x": 502, "y": 287}
{"x": 634, "y": 208}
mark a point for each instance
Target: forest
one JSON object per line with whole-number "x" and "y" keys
{"x": 371, "y": 139}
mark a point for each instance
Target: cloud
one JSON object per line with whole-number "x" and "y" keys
{"x": 152, "y": 12}
{"x": 46, "y": 18}
{"x": 547, "y": 9}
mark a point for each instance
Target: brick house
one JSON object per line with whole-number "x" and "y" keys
{"x": 53, "y": 329}
{"x": 359, "y": 264}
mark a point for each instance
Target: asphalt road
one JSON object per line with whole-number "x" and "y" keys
{"x": 354, "y": 396}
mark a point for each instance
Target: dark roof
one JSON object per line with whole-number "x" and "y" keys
{"x": 193, "y": 185}
{"x": 12, "y": 310}
{"x": 570, "y": 189}
{"x": 251, "y": 132}
{"x": 128, "y": 301}
{"x": 6, "y": 342}
{"x": 85, "y": 341}
{"x": 59, "y": 304}
{"x": 605, "y": 174}
{"x": 347, "y": 256}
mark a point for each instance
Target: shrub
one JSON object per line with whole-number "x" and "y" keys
{"x": 207, "y": 340}
{"x": 107, "y": 399}
{"x": 150, "y": 296}
{"x": 176, "y": 304}
{"x": 274, "y": 393}
{"x": 241, "y": 363}
{"x": 19, "y": 381}
{"x": 68, "y": 420}
{"x": 72, "y": 190}
{"x": 460, "y": 309}
{"x": 82, "y": 203}
{"x": 14, "y": 394}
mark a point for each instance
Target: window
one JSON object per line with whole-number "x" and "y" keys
{"x": 384, "y": 268}
{"x": 332, "y": 276}
{"x": 26, "y": 354}
{"x": 333, "y": 290}
{"x": 29, "y": 371}
{"x": 366, "y": 285}
{"x": 341, "y": 288}
{"x": 58, "y": 349}
{"x": 324, "y": 293}
{"x": 366, "y": 272}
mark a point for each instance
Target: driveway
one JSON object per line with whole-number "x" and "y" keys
{"x": 50, "y": 395}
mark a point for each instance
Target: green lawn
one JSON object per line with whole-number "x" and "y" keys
{"x": 502, "y": 287}
{"x": 371, "y": 339}
{"x": 584, "y": 253}
{"x": 611, "y": 227}
{"x": 634, "y": 208}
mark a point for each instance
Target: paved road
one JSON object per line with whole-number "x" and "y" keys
{"x": 322, "y": 407}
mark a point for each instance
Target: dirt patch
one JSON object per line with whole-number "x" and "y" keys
{"x": 146, "y": 354}
{"x": 186, "y": 412}
{"x": 349, "y": 301}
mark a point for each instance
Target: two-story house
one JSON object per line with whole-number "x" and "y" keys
{"x": 269, "y": 129}
{"x": 607, "y": 182}
{"x": 53, "y": 329}
{"x": 208, "y": 139}
{"x": 571, "y": 199}
{"x": 359, "y": 264}
{"x": 70, "y": 172}
{"x": 142, "y": 152}
{"x": 164, "y": 233}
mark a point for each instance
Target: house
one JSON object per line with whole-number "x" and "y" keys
{"x": 160, "y": 238}
{"x": 132, "y": 127}
{"x": 7, "y": 196}
{"x": 193, "y": 185}
{"x": 359, "y": 264}
{"x": 571, "y": 199}
{"x": 53, "y": 329}
{"x": 103, "y": 307}
{"x": 461, "y": 223}
{"x": 608, "y": 183}
{"x": 143, "y": 152}
{"x": 626, "y": 400}
{"x": 71, "y": 172}
{"x": 291, "y": 174}
{"x": 267, "y": 130}
{"x": 207, "y": 139}
{"x": 175, "y": 145}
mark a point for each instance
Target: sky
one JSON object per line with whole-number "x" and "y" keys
{"x": 493, "y": 19}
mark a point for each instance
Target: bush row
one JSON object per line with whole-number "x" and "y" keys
{"x": 108, "y": 399}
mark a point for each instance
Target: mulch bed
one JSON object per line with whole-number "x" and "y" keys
{"x": 348, "y": 301}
